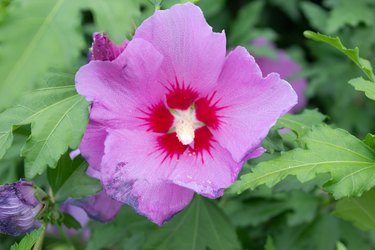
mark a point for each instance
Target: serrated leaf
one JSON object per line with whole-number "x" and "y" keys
{"x": 365, "y": 86}
{"x": 360, "y": 211}
{"x": 58, "y": 117}
{"x": 29, "y": 240}
{"x": 350, "y": 12}
{"x": 349, "y": 161}
{"x": 78, "y": 185}
{"x": 115, "y": 17}
{"x": 34, "y": 39}
{"x": 200, "y": 226}
{"x": 352, "y": 54}
{"x": 301, "y": 123}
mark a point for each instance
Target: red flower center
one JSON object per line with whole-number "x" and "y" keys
{"x": 183, "y": 121}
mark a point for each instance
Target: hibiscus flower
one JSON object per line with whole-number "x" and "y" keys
{"x": 173, "y": 114}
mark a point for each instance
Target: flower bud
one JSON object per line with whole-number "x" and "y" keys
{"x": 18, "y": 208}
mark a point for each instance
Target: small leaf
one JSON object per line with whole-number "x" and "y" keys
{"x": 200, "y": 226}
{"x": 365, "y": 86}
{"x": 353, "y": 54}
{"x": 70, "y": 222}
{"x": 349, "y": 161}
{"x": 78, "y": 185}
{"x": 360, "y": 211}
{"x": 29, "y": 240}
{"x": 301, "y": 123}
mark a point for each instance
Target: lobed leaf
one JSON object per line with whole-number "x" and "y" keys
{"x": 365, "y": 86}
{"x": 353, "y": 54}
{"x": 348, "y": 160}
{"x": 58, "y": 117}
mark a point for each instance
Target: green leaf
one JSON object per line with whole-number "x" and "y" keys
{"x": 360, "y": 211}
{"x": 301, "y": 123}
{"x": 365, "y": 86}
{"x": 29, "y": 240}
{"x": 316, "y": 15}
{"x": 70, "y": 222}
{"x": 114, "y": 17}
{"x": 350, "y": 12}
{"x": 34, "y": 38}
{"x": 64, "y": 169}
{"x": 58, "y": 117}
{"x": 352, "y": 54}
{"x": 370, "y": 140}
{"x": 78, "y": 185}
{"x": 11, "y": 161}
{"x": 340, "y": 246}
{"x": 269, "y": 244}
{"x": 349, "y": 161}
{"x": 127, "y": 228}
{"x": 200, "y": 226}
{"x": 247, "y": 17}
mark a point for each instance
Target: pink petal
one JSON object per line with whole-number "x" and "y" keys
{"x": 117, "y": 88}
{"x": 135, "y": 175}
{"x": 133, "y": 156}
{"x": 92, "y": 145}
{"x": 252, "y": 103}
{"x": 100, "y": 206}
{"x": 192, "y": 52}
{"x": 286, "y": 67}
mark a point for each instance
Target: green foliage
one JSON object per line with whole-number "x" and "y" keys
{"x": 348, "y": 12}
{"x": 69, "y": 179}
{"x": 360, "y": 211}
{"x": 31, "y": 43}
{"x": 128, "y": 229}
{"x": 348, "y": 160}
{"x": 315, "y": 14}
{"x": 58, "y": 117}
{"x": 200, "y": 226}
{"x": 368, "y": 87}
{"x": 70, "y": 222}
{"x": 269, "y": 244}
{"x": 114, "y": 17}
{"x": 29, "y": 240}
{"x": 352, "y": 54}
{"x": 301, "y": 123}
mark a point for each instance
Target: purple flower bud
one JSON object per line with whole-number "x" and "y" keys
{"x": 104, "y": 49}
{"x": 18, "y": 208}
